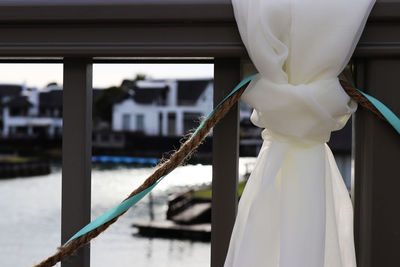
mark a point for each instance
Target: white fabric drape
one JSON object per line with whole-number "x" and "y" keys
{"x": 295, "y": 210}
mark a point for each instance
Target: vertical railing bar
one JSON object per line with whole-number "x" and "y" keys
{"x": 362, "y": 197}
{"x": 225, "y": 162}
{"x": 76, "y": 153}
{"x": 377, "y": 150}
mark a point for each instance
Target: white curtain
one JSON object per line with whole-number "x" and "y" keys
{"x": 295, "y": 210}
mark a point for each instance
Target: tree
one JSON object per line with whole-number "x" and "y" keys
{"x": 52, "y": 84}
{"x": 103, "y": 103}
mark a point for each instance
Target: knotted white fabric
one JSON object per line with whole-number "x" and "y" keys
{"x": 295, "y": 210}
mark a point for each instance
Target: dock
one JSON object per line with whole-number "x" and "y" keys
{"x": 11, "y": 167}
{"x": 125, "y": 159}
{"x": 170, "y": 229}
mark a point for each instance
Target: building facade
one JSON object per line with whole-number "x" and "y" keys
{"x": 164, "y": 108}
{"x": 28, "y": 112}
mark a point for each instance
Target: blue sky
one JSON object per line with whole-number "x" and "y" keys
{"x": 104, "y": 75}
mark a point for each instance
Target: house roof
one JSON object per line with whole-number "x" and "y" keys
{"x": 189, "y": 91}
{"x": 18, "y": 102}
{"x": 51, "y": 99}
{"x": 10, "y": 90}
{"x": 146, "y": 95}
{"x": 150, "y": 95}
{"x": 54, "y": 98}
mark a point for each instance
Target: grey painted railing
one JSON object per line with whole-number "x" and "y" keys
{"x": 82, "y": 32}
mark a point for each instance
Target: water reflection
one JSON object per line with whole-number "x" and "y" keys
{"x": 30, "y": 221}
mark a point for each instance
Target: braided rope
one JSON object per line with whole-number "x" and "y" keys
{"x": 175, "y": 160}
{"x": 360, "y": 99}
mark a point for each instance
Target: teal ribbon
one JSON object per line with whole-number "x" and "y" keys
{"x": 125, "y": 205}
{"x": 385, "y": 111}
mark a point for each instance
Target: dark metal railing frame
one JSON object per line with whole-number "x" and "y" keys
{"x": 79, "y": 33}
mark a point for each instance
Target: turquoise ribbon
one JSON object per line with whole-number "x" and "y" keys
{"x": 385, "y": 111}
{"x": 125, "y": 205}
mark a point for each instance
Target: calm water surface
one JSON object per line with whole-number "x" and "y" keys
{"x": 30, "y": 218}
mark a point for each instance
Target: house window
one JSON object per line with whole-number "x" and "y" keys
{"x": 160, "y": 123}
{"x": 171, "y": 124}
{"x": 57, "y": 131}
{"x": 190, "y": 120}
{"x": 126, "y": 122}
{"x": 140, "y": 122}
{"x": 23, "y": 130}
{"x": 104, "y": 137}
{"x": 117, "y": 137}
{"x": 40, "y": 131}
{"x": 18, "y": 111}
{"x": 42, "y": 112}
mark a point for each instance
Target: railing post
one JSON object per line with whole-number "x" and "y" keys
{"x": 76, "y": 153}
{"x": 225, "y": 162}
{"x": 377, "y": 172}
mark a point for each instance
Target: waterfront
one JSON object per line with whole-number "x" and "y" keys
{"x": 31, "y": 210}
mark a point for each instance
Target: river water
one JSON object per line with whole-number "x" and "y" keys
{"x": 31, "y": 210}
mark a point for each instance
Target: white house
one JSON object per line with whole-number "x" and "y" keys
{"x": 170, "y": 107}
{"x": 152, "y": 107}
{"x": 31, "y": 112}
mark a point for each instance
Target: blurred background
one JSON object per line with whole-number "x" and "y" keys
{"x": 140, "y": 114}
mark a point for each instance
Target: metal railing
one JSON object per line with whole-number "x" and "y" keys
{"x": 82, "y": 32}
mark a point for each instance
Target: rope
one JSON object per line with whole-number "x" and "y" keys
{"x": 360, "y": 99}
{"x": 175, "y": 160}
{"x": 186, "y": 149}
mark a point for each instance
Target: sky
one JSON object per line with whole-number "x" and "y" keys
{"x": 104, "y": 75}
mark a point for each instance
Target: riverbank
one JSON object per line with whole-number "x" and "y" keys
{"x": 14, "y": 166}
{"x": 124, "y": 144}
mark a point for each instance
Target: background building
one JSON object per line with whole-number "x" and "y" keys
{"x": 164, "y": 108}
{"x": 28, "y": 112}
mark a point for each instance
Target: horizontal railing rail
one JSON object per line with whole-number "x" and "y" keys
{"x": 152, "y": 11}
{"x": 152, "y": 28}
